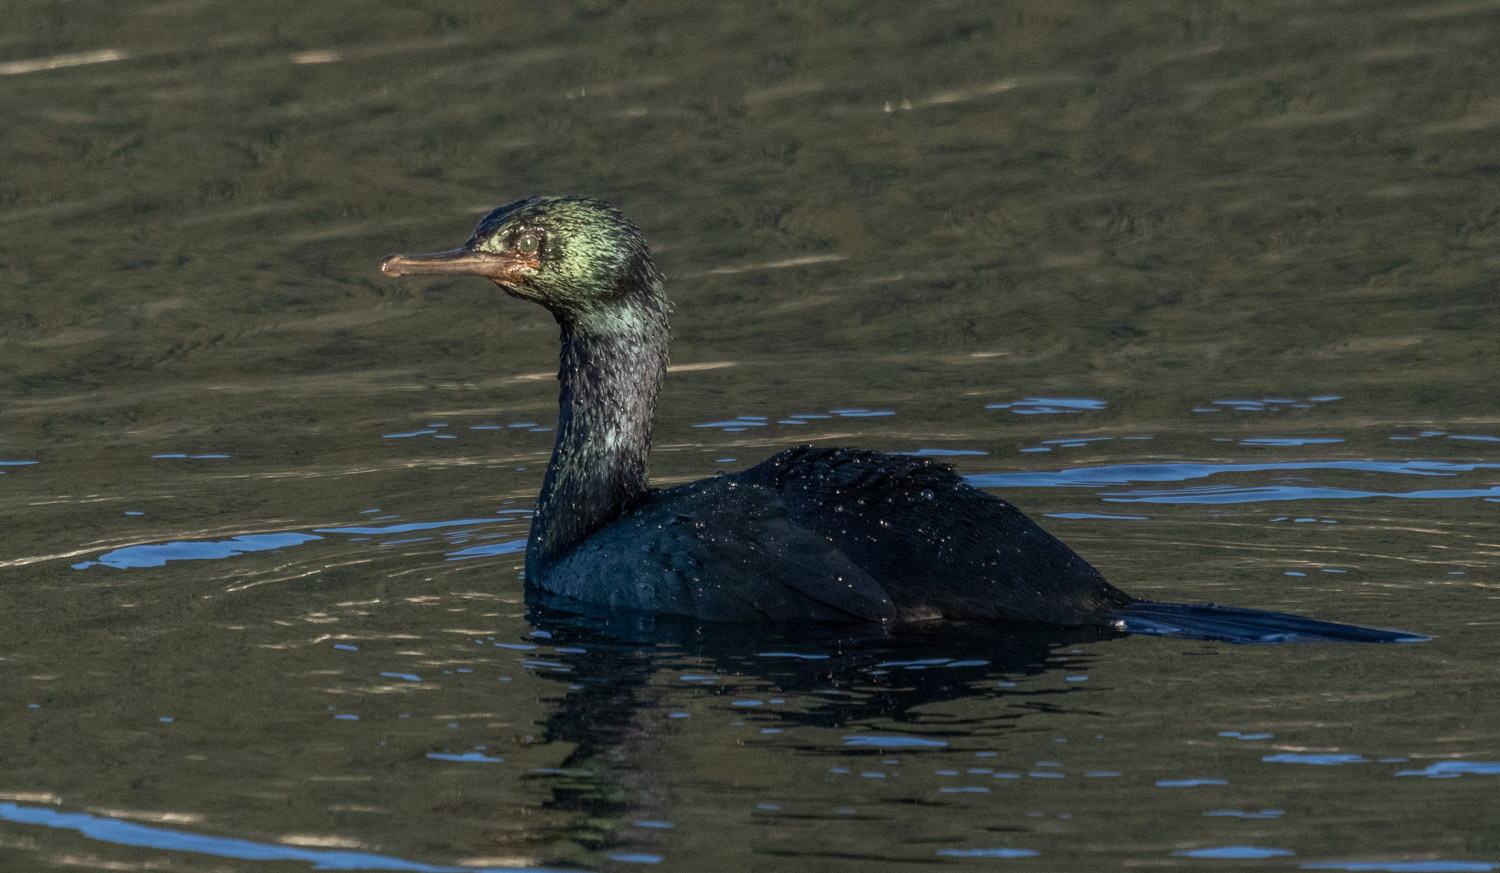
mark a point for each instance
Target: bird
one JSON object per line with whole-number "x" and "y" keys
{"x": 811, "y": 535}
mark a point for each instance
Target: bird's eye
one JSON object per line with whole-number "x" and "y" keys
{"x": 528, "y": 243}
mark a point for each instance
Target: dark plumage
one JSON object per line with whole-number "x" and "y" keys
{"x": 810, "y": 535}
{"x": 834, "y": 535}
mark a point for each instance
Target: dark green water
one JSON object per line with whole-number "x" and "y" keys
{"x": 1263, "y": 239}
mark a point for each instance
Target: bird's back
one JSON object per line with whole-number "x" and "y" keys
{"x": 938, "y": 546}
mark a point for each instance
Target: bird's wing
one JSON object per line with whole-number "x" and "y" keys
{"x": 718, "y": 550}
{"x": 936, "y": 545}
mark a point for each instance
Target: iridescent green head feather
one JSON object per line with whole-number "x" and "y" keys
{"x": 576, "y": 256}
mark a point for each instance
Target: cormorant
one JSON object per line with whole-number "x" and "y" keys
{"x": 810, "y": 535}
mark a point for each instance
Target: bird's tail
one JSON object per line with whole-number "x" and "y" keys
{"x": 1208, "y": 621}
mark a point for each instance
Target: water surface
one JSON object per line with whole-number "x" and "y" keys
{"x": 1210, "y": 290}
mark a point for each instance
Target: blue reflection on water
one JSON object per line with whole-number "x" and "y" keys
{"x": 1451, "y": 769}
{"x": 1124, "y": 474}
{"x": 634, "y": 857}
{"x": 1321, "y": 760}
{"x": 740, "y": 422}
{"x": 1260, "y": 494}
{"x": 158, "y": 554}
{"x": 404, "y": 528}
{"x": 1235, "y": 852}
{"x": 894, "y": 742}
{"x": 509, "y": 547}
{"x": 1049, "y": 405}
{"x": 1267, "y": 404}
{"x": 1406, "y": 866}
{"x": 465, "y": 757}
{"x": 124, "y": 833}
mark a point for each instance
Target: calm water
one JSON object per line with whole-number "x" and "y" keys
{"x": 1210, "y": 289}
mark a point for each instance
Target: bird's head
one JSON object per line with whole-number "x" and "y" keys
{"x": 576, "y": 256}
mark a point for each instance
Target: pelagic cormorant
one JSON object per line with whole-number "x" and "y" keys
{"x": 810, "y": 535}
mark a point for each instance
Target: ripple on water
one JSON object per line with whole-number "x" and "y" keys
{"x": 893, "y": 742}
{"x": 125, "y": 833}
{"x": 1454, "y": 769}
{"x": 1126, "y": 474}
{"x": 1236, "y": 852}
{"x": 1050, "y": 405}
{"x": 1325, "y": 760}
{"x": 988, "y": 853}
{"x": 155, "y": 555}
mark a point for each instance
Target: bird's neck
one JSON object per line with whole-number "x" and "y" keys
{"x": 611, "y": 370}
